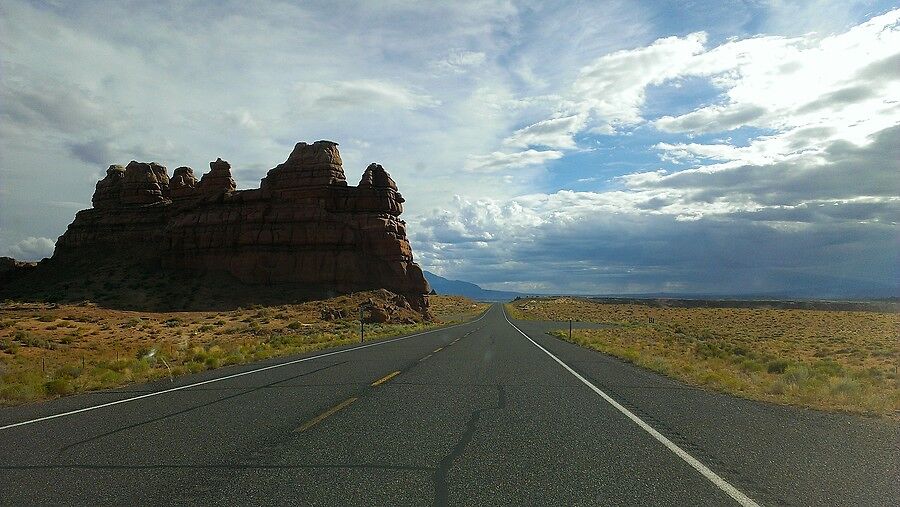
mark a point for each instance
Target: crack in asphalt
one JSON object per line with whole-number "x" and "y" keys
{"x": 441, "y": 486}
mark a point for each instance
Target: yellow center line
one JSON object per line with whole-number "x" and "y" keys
{"x": 385, "y": 378}
{"x": 424, "y": 358}
{"x": 438, "y": 350}
{"x": 324, "y": 415}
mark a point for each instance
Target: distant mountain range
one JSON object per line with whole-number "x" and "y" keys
{"x": 442, "y": 285}
{"x": 847, "y": 291}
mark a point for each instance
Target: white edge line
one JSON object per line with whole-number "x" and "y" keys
{"x": 210, "y": 381}
{"x": 719, "y": 482}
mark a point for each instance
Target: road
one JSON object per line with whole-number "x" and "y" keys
{"x": 486, "y": 413}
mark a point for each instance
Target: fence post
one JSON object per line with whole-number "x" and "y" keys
{"x": 362, "y": 329}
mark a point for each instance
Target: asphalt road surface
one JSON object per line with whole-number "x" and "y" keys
{"x": 477, "y": 414}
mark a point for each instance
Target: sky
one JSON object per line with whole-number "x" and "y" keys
{"x": 612, "y": 147}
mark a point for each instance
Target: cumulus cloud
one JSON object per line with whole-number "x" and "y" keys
{"x": 31, "y": 249}
{"x": 613, "y": 87}
{"x": 559, "y": 243}
{"x": 808, "y": 225}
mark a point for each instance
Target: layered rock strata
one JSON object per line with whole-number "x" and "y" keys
{"x": 304, "y": 225}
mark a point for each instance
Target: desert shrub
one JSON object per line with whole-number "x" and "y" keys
{"x": 827, "y": 368}
{"x": 846, "y": 386}
{"x": 752, "y": 365}
{"x": 206, "y": 327}
{"x": 777, "y": 366}
{"x": 69, "y": 371}
{"x": 295, "y": 325}
{"x": 796, "y": 374}
{"x": 707, "y": 349}
{"x": 778, "y": 387}
{"x": 7, "y": 345}
{"x": 58, "y": 387}
{"x": 132, "y": 322}
{"x": 46, "y": 318}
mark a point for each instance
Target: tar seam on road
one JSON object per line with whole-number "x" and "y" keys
{"x": 442, "y": 472}
{"x": 714, "y": 478}
{"x": 264, "y": 368}
{"x": 385, "y": 378}
{"x": 326, "y": 414}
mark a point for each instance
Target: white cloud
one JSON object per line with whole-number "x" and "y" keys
{"x": 460, "y": 61}
{"x": 613, "y": 87}
{"x": 553, "y": 133}
{"x": 497, "y": 160}
{"x": 358, "y": 95}
{"x": 31, "y": 249}
{"x": 837, "y": 85}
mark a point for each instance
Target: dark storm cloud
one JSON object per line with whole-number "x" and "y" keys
{"x": 851, "y": 171}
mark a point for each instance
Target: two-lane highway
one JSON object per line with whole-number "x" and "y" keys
{"x": 484, "y": 413}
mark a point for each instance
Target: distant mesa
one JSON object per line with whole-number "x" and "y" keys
{"x": 304, "y": 226}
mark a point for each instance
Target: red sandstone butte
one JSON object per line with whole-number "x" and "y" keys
{"x": 303, "y": 225}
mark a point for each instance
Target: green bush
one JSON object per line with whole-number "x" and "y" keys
{"x": 173, "y": 322}
{"x": 846, "y": 386}
{"x": 828, "y": 368}
{"x": 796, "y": 374}
{"x": 8, "y": 345}
{"x": 69, "y": 371}
{"x": 133, "y": 322}
{"x": 58, "y": 387}
{"x": 777, "y": 366}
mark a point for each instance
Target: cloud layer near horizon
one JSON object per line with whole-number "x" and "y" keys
{"x": 586, "y": 148}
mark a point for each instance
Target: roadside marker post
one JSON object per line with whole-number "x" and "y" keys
{"x": 570, "y": 329}
{"x": 362, "y": 323}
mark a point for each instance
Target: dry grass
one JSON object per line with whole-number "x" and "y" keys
{"x": 830, "y": 360}
{"x": 50, "y": 350}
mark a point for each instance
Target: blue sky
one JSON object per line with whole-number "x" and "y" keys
{"x": 591, "y": 147}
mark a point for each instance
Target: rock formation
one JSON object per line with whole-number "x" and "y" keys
{"x": 10, "y": 269}
{"x": 304, "y": 225}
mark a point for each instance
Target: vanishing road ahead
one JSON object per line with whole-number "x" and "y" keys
{"x": 486, "y": 413}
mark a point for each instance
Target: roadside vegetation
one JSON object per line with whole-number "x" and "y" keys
{"x": 49, "y": 350}
{"x": 828, "y": 360}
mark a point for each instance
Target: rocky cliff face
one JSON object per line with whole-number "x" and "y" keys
{"x": 304, "y": 225}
